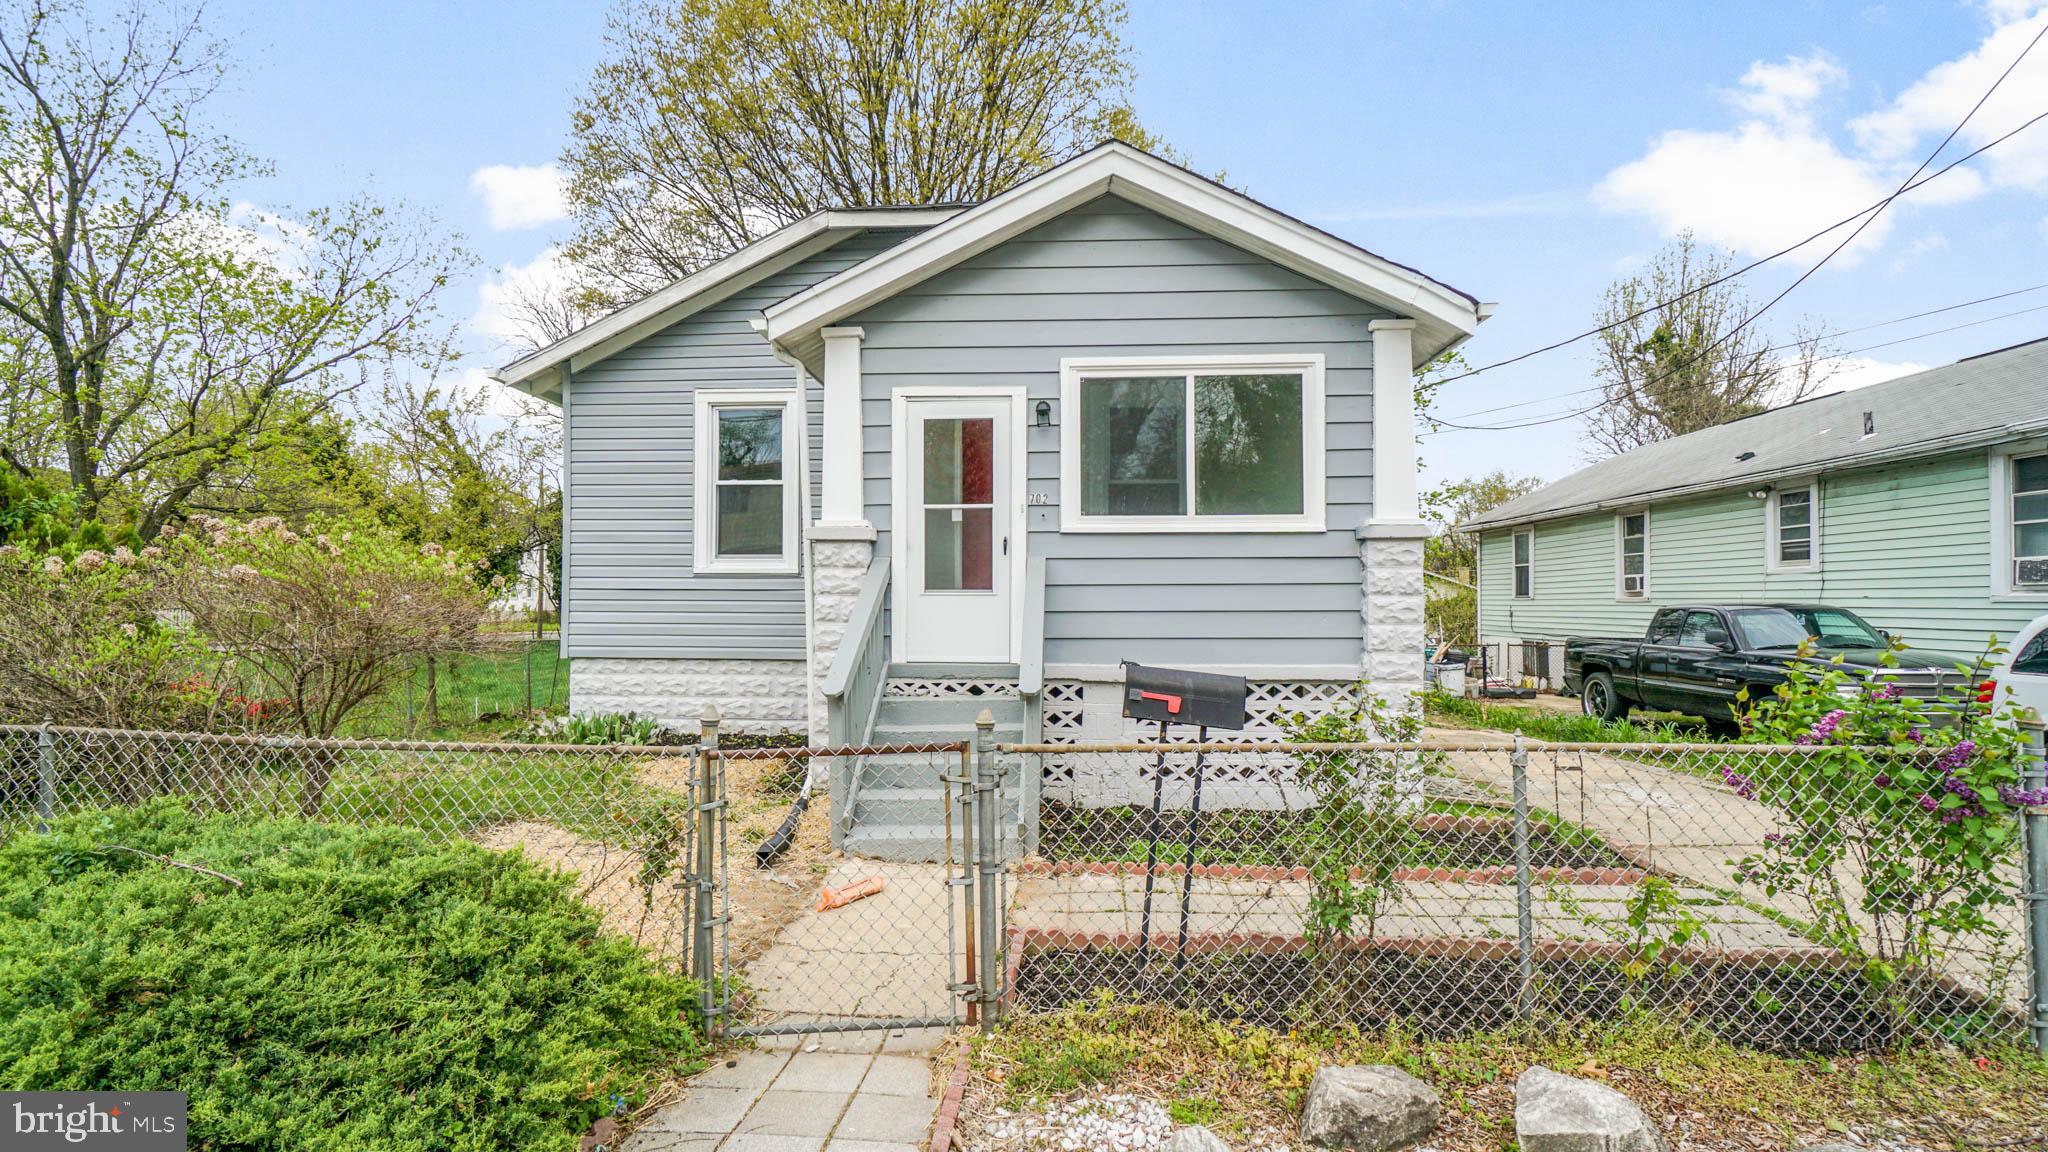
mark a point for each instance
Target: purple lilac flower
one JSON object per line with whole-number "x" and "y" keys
{"x": 1929, "y": 802}
{"x": 1881, "y": 780}
{"x": 1774, "y": 837}
{"x": 1826, "y": 725}
{"x": 2022, "y": 797}
{"x": 1958, "y": 787}
{"x": 1956, "y": 757}
{"x": 1743, "y": 785}
{"x": 1916, "y": 735}
{"x": 1887, "y": 691}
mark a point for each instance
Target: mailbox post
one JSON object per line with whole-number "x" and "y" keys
{"x": 1169, "y": 696}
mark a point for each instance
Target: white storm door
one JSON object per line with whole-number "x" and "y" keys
{"x": 957, "y": 517}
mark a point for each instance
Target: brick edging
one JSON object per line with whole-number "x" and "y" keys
{"x": 948, "y": 1117}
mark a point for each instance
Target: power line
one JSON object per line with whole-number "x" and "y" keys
{"x": 1783, "y": 347}
{"x": 1837, "y": 356}
{"x": 1754, "y": 264}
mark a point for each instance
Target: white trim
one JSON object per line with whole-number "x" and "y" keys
{"x": 1393, "y": 422}
{"x": 840, "y": 466}
{"x": 899, "y": 499}
{"x": 568, "y": 447}
{"x": 1773, "y": 565}
{"x": 1513, "y": 564}
{"x": 1621, "y": 591}
{"x": 1999, "y": 468}
{"x": 535, "y": 372}
{"x": 1314, "y": 462}
{"x": 1448, "y": 315}
{"x": 795, "y": 477}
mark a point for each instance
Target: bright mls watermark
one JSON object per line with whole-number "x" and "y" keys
{"x": 113, "y": 1121}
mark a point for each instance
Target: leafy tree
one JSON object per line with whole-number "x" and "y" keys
{"x": 1676, "y": 355}
{"x": 325, "y": 621}
{"x": 711, "y": 123}
{"x": 1450, "y": 552}
{"x": 159, "y": 338}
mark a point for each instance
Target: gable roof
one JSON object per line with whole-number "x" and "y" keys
{"x": 1982, "y": 400}
{"x": 1444, "y": 316}
{"x": 540, "y": 373}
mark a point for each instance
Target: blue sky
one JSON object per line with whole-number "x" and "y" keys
{"x": 1525, "y": 153}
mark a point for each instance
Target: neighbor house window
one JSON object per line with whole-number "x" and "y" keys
{"x": 1525, "y": 564}
{"x": 2030, "y": 521}
{"x": 1792, "y": 522}
{"x": 746, "y": 514}
{"x": 1633, "y": 553}
{"x": 1225, "y": 445}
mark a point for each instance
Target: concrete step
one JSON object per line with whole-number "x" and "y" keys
{"x": 921, "y": 806}
{"x": 958, "y": 711}
{"x": 911, "y": 843}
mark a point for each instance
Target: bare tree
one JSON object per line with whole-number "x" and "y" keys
{"x": 1676, "y": 357}
{"x": 713, "y": 122}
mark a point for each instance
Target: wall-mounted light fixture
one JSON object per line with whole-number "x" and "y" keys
{"x": 1763, "y": 493}
{"x": 1044, "y": 414}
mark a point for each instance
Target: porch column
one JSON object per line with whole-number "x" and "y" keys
{"x": 842, "y": 542}
{"x": 1390, "y": 544}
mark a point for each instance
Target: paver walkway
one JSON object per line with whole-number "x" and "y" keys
{"x": 857, "y": 1092}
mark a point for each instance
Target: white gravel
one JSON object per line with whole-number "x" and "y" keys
{"x": 1101, "y": 1119}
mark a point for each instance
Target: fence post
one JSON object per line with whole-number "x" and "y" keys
{"x": 2034, "y": 774}
{"x": 1525, "y": 912}
{"x": 703, "y": 960}
{"x": 46, "y": 777}
{"x": 988, "y": 862}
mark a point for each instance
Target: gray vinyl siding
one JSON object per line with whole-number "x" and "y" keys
{"x": 630, "y": 444}
{"x": 1112, "y": 279}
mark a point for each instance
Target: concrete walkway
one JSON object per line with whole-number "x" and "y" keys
{"x": 858, "y": 1092}
{"x": 891, "y": 955}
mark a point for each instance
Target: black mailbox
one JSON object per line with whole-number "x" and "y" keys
{"x": 1172, "y": 696}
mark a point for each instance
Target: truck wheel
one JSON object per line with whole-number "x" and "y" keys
{"x": 1599, "y": 699}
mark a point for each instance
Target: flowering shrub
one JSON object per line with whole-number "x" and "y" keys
{"x": 82, "y": 642}
{"x": 1894, "y": 832}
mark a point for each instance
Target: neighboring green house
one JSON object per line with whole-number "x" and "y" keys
{"x": 1921, "y": 503}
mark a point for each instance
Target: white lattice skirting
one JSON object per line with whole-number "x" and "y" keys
{"x": 1091, "y": 712}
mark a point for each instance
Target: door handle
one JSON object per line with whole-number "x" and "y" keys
{"x": 1006, "y": 545}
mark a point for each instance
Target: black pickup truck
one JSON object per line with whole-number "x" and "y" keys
{"x": 1697, "y": 659}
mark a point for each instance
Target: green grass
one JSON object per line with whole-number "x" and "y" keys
{"x": 1244, "y": 1081}
{"x": 1445, "y": 710}
{"x": 495, "y": 684}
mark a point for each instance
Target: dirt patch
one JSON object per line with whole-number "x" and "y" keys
{"x": 609, "y": 879}
{"x": 644, "y": 903}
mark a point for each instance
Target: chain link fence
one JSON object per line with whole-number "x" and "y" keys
{"x": 1788, "y": 897}
{"x": 621, "y": 818}
{"x": 1795, "y": 898}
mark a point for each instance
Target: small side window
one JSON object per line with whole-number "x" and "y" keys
{"x": 2032, "y": 658}
{"x": 1633, "y": 554}
{"x": 1525, "y": 564}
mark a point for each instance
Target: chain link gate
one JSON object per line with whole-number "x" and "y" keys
{"x": 907, "y": 927}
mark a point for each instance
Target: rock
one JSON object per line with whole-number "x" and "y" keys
{"x": 1559, "y": 1113}
{"x": 1371, "y": 1109}
{"x": 1196, "y": 1139}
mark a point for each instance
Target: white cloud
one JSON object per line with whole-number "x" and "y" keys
{"x": 520, "y": 196}
{"x": 1771, "y": 180}
{"x": 1852, "y": 372}
{"x": 1779, "y": 174}
{"x": 1903, "y": 131}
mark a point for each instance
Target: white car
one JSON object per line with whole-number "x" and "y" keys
{"x": 2025, "y": 675}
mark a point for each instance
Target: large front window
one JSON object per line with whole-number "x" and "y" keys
{"x": 746, "y": 490}
{"x": 1193, "y": 446}
{"x": 2030, "y": 521}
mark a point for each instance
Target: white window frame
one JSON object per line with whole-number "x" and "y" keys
{"x": 795, "y": 476}
{"x": 1517, "y": 534}
{"x": 1773, "y": 561}
{"x": 2003, "y": 586}
{"x": 1313, "y": 517}
{"x": 1621, "y": 590}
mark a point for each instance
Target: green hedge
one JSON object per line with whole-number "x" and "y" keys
{"x": 363, "y": 989}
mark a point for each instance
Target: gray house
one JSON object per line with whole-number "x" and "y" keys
{"x": 1920, "y": 503}
{"x": 888, "y": 466}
